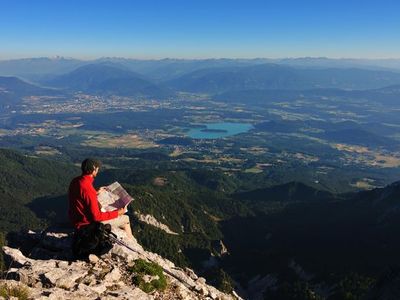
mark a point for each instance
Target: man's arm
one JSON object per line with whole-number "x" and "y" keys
{"x": 90, "y": 197}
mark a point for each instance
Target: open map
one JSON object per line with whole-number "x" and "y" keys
{"x": 113, "y": 197}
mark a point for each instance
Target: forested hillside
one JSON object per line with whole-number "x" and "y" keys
{"x": 300, "y": 237}
{"x": 24, "y": 179}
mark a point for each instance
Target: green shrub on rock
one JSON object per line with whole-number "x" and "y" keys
{"x": 7, "y": 291}
{"x": 142, "y": 269}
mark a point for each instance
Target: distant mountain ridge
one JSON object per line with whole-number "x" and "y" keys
{"x": 218, "y": 80}
{"x": 12, "y": 89}
{"x": 213, "y": 76}
{"x": 280, "y": 77}
{"x": 39, "y": 67}
{"x": 109, "y": 79}
{"x": 169, "y": 68}
{"x": 18, "y": 86}
{"x": 387, "y": 94}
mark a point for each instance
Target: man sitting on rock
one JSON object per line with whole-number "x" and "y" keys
{"x": 83, "y": 204}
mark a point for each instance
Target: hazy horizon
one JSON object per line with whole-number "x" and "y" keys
{"x": 94, "y": 58}
{"x": 200, "y": 30}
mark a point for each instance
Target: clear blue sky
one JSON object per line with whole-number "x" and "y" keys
{"x": 199, "y": 28}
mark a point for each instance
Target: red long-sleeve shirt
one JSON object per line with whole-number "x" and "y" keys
{"x": 83, "y": 205}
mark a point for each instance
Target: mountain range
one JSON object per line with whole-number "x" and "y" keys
{"x": 273, "y": 76}
{"x": 38, "y": 68}
{"x": 108, "y": 79}
{"x": 43, "y": 68}
{"x": 225, "y": 79}
{"x": 112, "y": 78}
{"x": 384, "y": 95}
{"x": 57, "y": 64}
{"x": 13, "y": 89}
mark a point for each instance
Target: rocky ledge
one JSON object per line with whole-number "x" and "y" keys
{"x": 47, "y": 271}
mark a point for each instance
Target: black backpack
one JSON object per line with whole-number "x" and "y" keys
{"x": 92, "y": 239}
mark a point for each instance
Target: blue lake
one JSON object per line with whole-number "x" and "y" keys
{"x": 218, "y": 130}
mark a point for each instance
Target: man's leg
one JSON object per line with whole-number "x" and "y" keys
{"x": 127, "y": 229}
{"x": 121, "y": 222}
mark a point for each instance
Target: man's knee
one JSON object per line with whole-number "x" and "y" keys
{"x": 125, "y": 219}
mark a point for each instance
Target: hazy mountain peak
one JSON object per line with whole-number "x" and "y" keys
{"x": 108, "y": 78}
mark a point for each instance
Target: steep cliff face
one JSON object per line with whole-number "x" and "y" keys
{"x": 47, "y": 271}
{"x": 149, "y": 219}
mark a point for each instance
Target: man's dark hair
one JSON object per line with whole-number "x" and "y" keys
{"x": 89, "y": 164}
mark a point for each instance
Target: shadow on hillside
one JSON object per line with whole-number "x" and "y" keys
{"x": 54, "y": 240}
{"x": 53, "y": 210}
{"x": 327, "y": 239}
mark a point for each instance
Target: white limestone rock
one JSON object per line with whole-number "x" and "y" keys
{"x": 18, "y": 258}
{"x": 113, "y": 276}
{"x": 93, "y": 259}
{"x": 105, "y": 277}
{"x": 150, "y": 220}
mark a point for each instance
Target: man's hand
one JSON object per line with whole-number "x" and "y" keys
{"x": 101, "y": 189}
